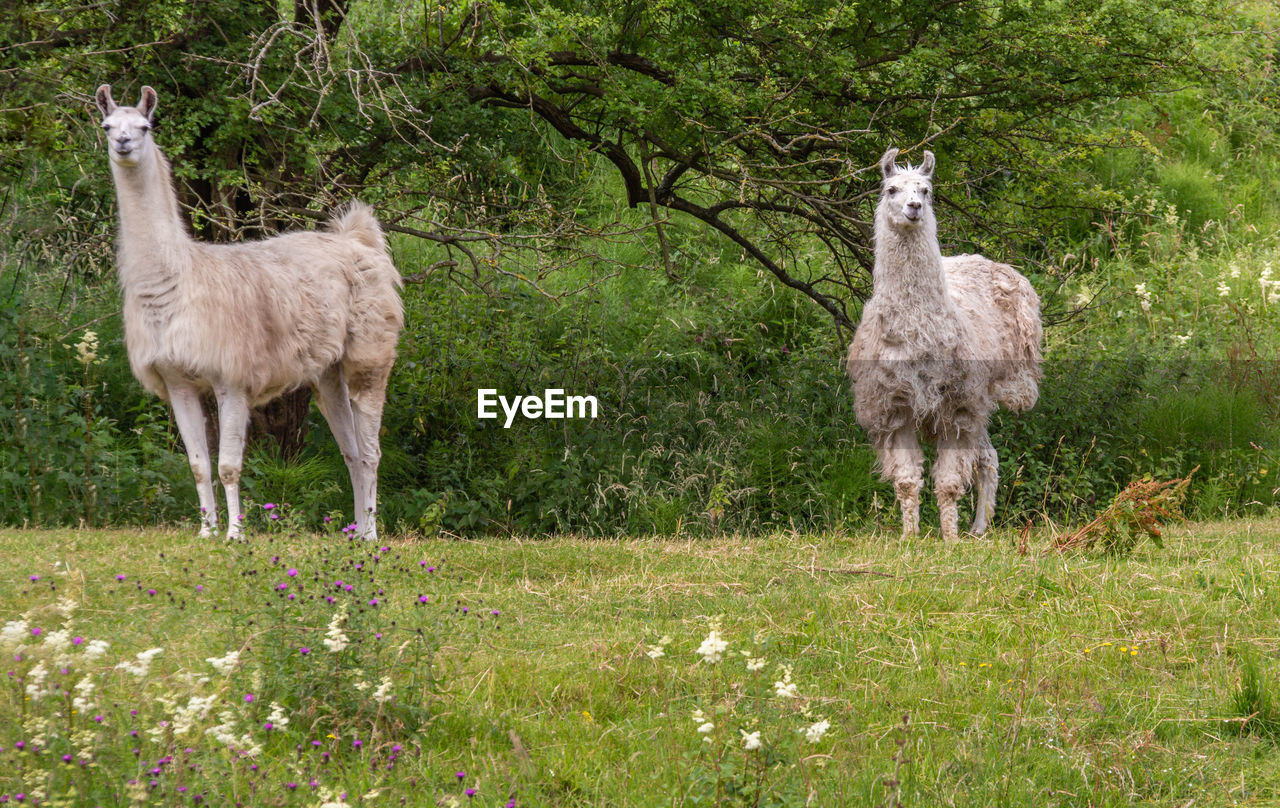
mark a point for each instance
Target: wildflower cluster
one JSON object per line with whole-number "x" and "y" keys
{"x": 88, "y": 721}
{"x": 748, "y": 725}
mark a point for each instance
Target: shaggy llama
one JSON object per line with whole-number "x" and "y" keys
{"x": 942, "y": 343}
{"x": 251, "y": 321}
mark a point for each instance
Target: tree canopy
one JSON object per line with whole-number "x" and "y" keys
{"x": 474, "y": 124}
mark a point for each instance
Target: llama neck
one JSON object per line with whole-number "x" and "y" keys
{"x": 908, "y": 278}
{"x": 152, "y": 233}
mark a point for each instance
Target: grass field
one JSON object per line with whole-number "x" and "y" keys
{"x": 568, "y": 672}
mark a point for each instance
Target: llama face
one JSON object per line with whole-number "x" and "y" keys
{"x": 906, "y": 199}
{"x": 128, "y": 128}
{"x": 906, "y": 195}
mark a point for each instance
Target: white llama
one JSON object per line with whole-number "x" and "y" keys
{"x": 251, "y": 321}
{"x": 942, "y": 343}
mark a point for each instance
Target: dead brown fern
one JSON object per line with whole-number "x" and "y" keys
{"x": 1139, "y": 510}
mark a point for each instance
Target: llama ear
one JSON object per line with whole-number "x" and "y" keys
{"x": 147, "y": 106}
{"x": 106, "y": 105}
{"x": 887, "y": 167}
{"x": 926, "y": 168}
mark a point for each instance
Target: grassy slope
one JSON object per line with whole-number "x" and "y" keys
{"x": 999, "y": 659}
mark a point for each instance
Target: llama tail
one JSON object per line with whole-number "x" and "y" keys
{"x": 356, "y": 220}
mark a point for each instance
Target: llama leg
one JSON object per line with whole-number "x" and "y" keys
{"x": 190, "y": 417}
{"x": 233, "y": 426}
{"x": 988, "y": 467}
{"x": 952, "y": 473}
{"x": 902, "y": 461}
{"x": 368, "y": 393}
{"x": 334, "y": 402}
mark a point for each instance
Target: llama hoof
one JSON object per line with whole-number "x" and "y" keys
{"x": 206, "y": 532}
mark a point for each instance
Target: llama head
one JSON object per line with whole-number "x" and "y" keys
{"x": 128, "y": 128}
{"x": 905, "y": 193}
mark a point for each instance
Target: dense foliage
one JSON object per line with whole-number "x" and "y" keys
{"x": 642, "y": 202}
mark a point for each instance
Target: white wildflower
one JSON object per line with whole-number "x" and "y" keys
{"x": 1183, "y": 339}
{"x": 814, "y": 733}
{"x": 225, "y": 734}
{"x": 1223, "y": 289}
{"x": 785, "y": 688}
{"x": 755, "y": 664}
{"x": 383, "y": 694}
{"x": 712, "y": 648}
{"x": 142, "y": 666}
{"x": 1144, "y": 296}
{"x": 705, "y": 728}
{"x": 225, "y": 665}
{"x": 87, "y": 349}
{"x": 750, "y": 740}
{"x": 84, "y": 694}
{"x": 66, "y": 607}
{"x": 699, "y": 716}
{"x": 58, "y": 641}
{"x": 35, "y": 680}
{"x": 659, "y": 649}
{"x": 196, "y": 709}
{"x": 335, "y": 639}
{"x": 84, "y": 741}
{"x": 328, "y": 799}
{"x": 277, "y": 717}
{"x": 96, "y": 648}
{"x": 14, "y": 633}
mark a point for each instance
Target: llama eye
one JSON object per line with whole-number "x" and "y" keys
{"x": 891, "y": 190}
{"x": 106, "y": 127}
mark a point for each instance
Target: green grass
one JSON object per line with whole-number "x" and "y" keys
{"x": 1038, "y": 679}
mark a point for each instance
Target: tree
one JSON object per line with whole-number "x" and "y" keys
{"x": 470, "y": 122}
{"x": 764, "y": 123}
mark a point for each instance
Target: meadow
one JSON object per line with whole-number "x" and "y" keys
{"x": 146, "y": 667}
{"x": 700, "y": 597}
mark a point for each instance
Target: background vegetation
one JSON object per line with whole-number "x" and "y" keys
{"x": 664, "y": 205}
